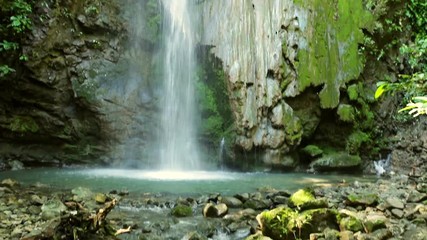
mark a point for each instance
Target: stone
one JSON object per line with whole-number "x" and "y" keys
{"x": 52, "y": 209}
{"x": 374, "y": 222}
{"x": 382, "y": 234}
{"x": 242, "y": 196}
{"x": 100, "y": 198}
{"x": 395, "y": 203}
{"x": 35, "y": 199}
{"x": 280, "y": 200}
{"x": 417, "y": 233}
{"x": 397, "y": 213}
{"x": 81, "y": 194}
{"x": 9, "y": 183}
{"x": 231, "y": 202}
{"x": 346, "y": 235}
{"x": 194, "y": 236}
{"x": 415, "y": 196}
{"x": 215, "y": 211}
{"x": 364, "y": 199}
{"x": 257, "y": 204}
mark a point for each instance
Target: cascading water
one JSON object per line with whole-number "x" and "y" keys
{"x": 178, "y": 144}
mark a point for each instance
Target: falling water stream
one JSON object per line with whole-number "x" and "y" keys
{"x": 179, "y": 149}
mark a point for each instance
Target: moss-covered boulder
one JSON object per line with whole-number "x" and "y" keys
{"x": 362, "y": 199}
{"x": 304, "y": 199}
{"x": 337, "y": 161}
{"x": 286, "y": 223}
{"x": 351, "y": 224}
{"x": 181, "y": 210}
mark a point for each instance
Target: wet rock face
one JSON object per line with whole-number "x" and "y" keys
{"x": 49, "y": 111}
{"x": 272, "y": 53}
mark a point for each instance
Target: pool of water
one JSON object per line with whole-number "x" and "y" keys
{"x": 172, "y": 182}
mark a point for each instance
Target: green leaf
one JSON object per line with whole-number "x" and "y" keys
{"x": 380, "y": 90}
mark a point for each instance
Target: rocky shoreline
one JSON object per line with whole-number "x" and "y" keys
{"x": 390, "y": 208}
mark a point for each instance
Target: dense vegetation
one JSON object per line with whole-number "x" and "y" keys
{"x": 412, "y": 60}
{"x": 14, "y": 23}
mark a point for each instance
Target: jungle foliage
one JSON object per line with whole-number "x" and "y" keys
{"x": 15, "y": 22}
{"x": 412, "y": 81}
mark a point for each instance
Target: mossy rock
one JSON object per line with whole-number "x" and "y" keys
{"x": 320, "y": 219}
{"x": 304, "y": 199}
{"x": 312, "y": 150}
{"x": 351, "y": 224}
{"x": 285, "y": 223}
{"x": 336, "y": 161}
{"x": 372, "y": 225}
{"x": 366, "y": 199}
{"x": 277, "y": 223}
{"x": 330, "y": 56}
{"x": 182, "y": 211}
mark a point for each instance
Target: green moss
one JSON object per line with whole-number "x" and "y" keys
{"x": 346, "y": 113}
{"x": 301, "y": 197}
{"x": 312, "y": 150}
{"x": 24, "y": 124}
{"x": 372, "y": 225}
{"x": 353, "y": 92}
{"x": 293, "y": 127}
{"x": 356, "y": 140}
{"x": 182, "y": 211}
{"x": 213, "y": 103}
{"x": 336, "y": 161}
{"x": 351, "y": 224}
{"x": 285, "y": 223}
{"x": 276, "y": 223}
{"x": 330, "y": 55}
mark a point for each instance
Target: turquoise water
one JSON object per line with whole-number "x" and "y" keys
{"x": 196, "y": 182}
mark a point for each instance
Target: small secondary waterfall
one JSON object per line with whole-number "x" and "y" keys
{"x": 178, "y": 144}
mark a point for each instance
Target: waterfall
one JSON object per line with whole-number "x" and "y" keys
{"x": 178, "y": 144}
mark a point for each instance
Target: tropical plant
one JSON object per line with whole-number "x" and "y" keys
{"x": 14, "y": 22}
{"x": 413, "y": 83}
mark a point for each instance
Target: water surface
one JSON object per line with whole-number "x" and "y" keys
{"x": 175, "y": 182}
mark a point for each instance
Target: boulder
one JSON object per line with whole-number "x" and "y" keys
{"x": 364, "y": 199}
{"x": 212, "y": 210}
{"x": 52, "y": 209}
{"x": 336, "y": 162}
{"x": 257, "y": 204}
{"x": 304, "y": 199}
{"x": 100, "y": 198}
{"x": 231, "y": 202}
{"x": 286, "y": 223}
{"x": 394, "y": 202}
{"x": 81, "y": 194}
